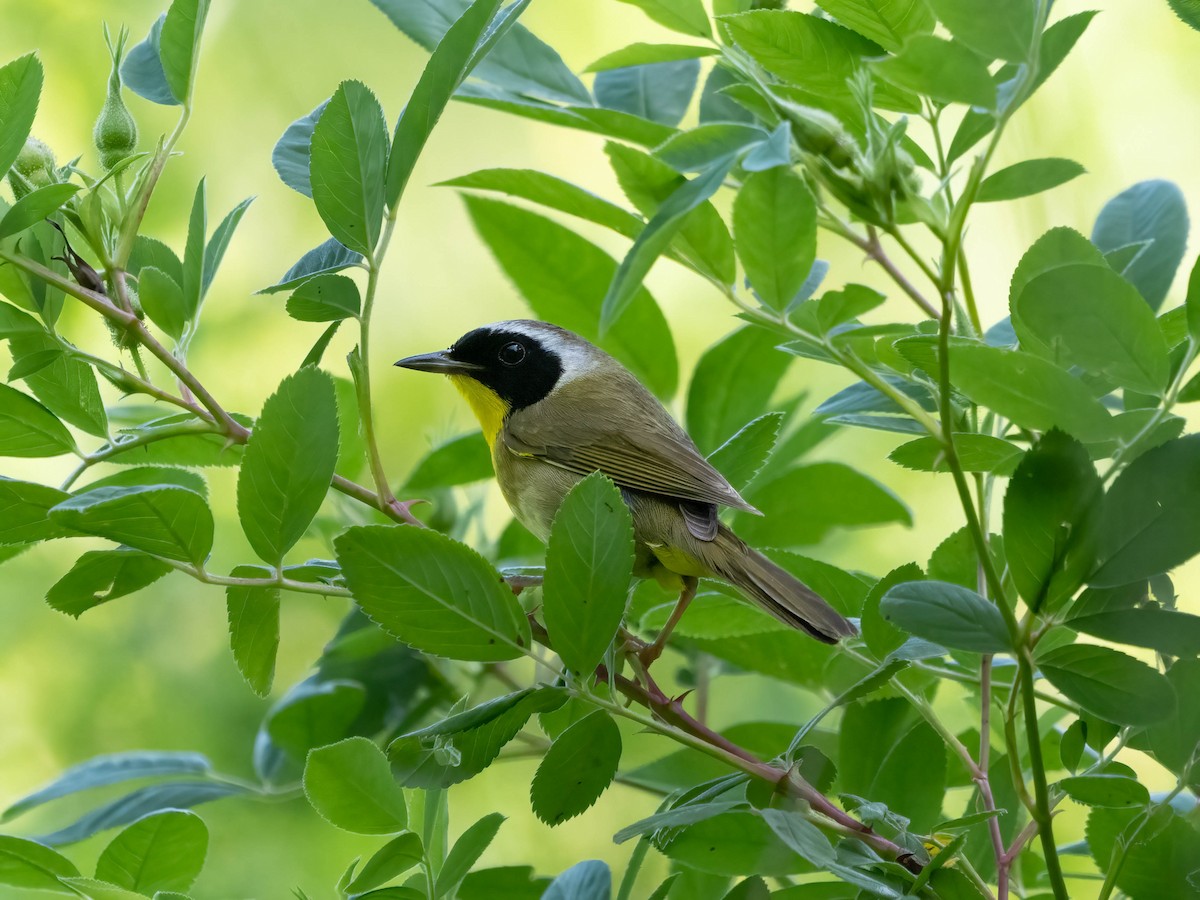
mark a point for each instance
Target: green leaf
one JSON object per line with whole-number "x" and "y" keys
{"x": 35, "y": 206}
{"x": 23, "y": 512}
{"x": 131, "y": 807}
{"x": 1188, "y": 12}
{"x": 716, "y": 105}
{"x": 432, "y": 592}
{"x": 658, "y": 92}
{"x": 655, "y": 237}
{"x": 997, "y": 30}
{"x": 1109, "y": 684}
{"x": 460, "y": 460}
{"x": 684, "y": 16}
{"x": 168, "y": 521}
{"x": 219, "y": 243}
{"x": 743, "y": 456}
{"x": 95, "y": 889}
{"x": 109, "y": 769}
{"x": 148, "y": 251}
{"x": 253, "y": 628}
{"x": 564, "y": 277}
{"x": 587, "y": 880}
{"x": 193, "y": 252}
{"x": 945, "y": 71}
{"x": 463, "y": 745}
{"x": 350, "y": 784}
{"x": 1092, "y": 317}
{"x": 32, "y": 866}
{"x": 466, "y": 852}
{"x": 1030, "y": 391}
{"x": 327, "y": 257}
{"x": 162, "y": 299}
{"x": 886, "y": 22}
{"x": 882, "y": 637}
{"x": 162, "y": 851}
{"x": 1151, "y": 517}
{"x": 179, "y": 44}
{"x": 733, "y": 383}
{"x": 315, "y": 714}
{"x": 1152, "y": 211}
{"x": 1117, "y": 791}
{"x": 804, "y": 504}
{"x": 502, "y": 883}
{"x": 1192, "y": 302}
{"x": 640, "y": 54}
{"x": 946, "y": 614}
{"x": 103, "y": 575}
{"x": 324, "y": 298}
{"x": 1168, "y": 631}
{"x": 290, "y": 156}
{"x": 1175, "y": 739}
{"x": 1160, "y": 859}
{"x": 142, "y": 71}
{"x": 976, "y": 453}
{"x": 887, "y": 755}
{"x": 347, "y": 165}
{"x": 29, "y": 429}
{"x": 288, "y": 463}
{"x": 393, "y": 859}
{"x": 20, "y": 88}
{"x": 589, "y": 563}
{"x": 577, "y": 769}
{"x": 451, "y": 62}
{"x": 1051, "y": 514}
{"x": 1026, "y": 178}
{"x": 698, "y": 148}
{"x": 67, "y": 386}
{"x": 518, "y": 61}
{"x": 775, "y": 230}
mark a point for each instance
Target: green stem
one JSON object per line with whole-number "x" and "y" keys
{"x": 1042, "y": 812}
{"x": 117, "y": 447}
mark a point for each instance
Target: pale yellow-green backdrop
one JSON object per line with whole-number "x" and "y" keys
{"x": 153, "y": 670}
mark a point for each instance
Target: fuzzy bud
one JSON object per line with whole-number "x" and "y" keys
{"x": 116, "y": 132}
{"x": 33, "y": 168}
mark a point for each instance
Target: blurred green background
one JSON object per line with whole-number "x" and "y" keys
{"x": 154, "y": 671}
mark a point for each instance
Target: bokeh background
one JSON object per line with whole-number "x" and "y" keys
{"x": 153, "y": 670}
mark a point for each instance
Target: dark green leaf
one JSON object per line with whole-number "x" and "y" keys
{"x": 35, "y": 206}
{"x": 577, "y": 769}
{"x": 112, "y": 769}
{"x": 1109, "y": 684}
{"x": 1117, "y": 791}
{"x": 882, "y": 637}
{"x": 460, "y": 460}
{"x": 288, "y": 463}
{"x": 162, "y": 299}
{"x": 167, "y": 521}
{"x": 20, "y": 88}
{"x": 886, "y": 22}
{"x": 179, "y": 43}
{"x": 736, "y": 843}
{"x": 102, "y": 575}
{"x": 193, "y": 252}
{"x": 1160, "y": 859}
{"x": 743, "y": 456}
{"x": 1151, "y": 211}
{"x": 162, "y": 851}
{"x": 23, "y": 512}
{"x": 775, "y": 229}
{"x": 976, "y": 453}
{"x": 466, "y": 852}
{"x": 698, "y": 148}
{"x": 148, "y": 251}
{"x": 997, "y": 30}
{"x": 131, "y": 807}
{"x": 1051, "y": 514}
{"x": 718, "y": 106}
{"x": 1091, "y": 317}
{"x": 142, "y": 71}
{"x": 946, "y": 614}
{"x": 253, "y": 628}
{"x": 394, "y": 858}
{"x": 219, "y": 242}
{"x": 1168, "y": 631}
{"x": 1192, "y": 303}
{"x": 800, "y": 835}
{"x": 347, "y": 165}
{"x": 644, "y": 54}
{"x": 66, "y": 385}
{"x": 1175, "y": 739}
{"x": 1027, "y": 178}
{"x": 732, "y": 384}
{"x": 943, "y": 70}
{"x": 1188, "y": 12}
{"x": 324, "y": 298}
{"x": 432, "y": 593}
{"x": 659, "y": 92}
{"x": 1028, "y": 390}
{"x": 291, "y": 154}
{"x": 314, "y": 714}
{"x": 350, "y": 784}
{"x": 564, "y": 277}
{"x": 589, "y": 563}
{"x": 1151, "y": 517}
{"x": 327, "y": 257}
{"x": 32, "y": 866}
{"x": 588, "y": 880}
{"x": 503, "y": 883}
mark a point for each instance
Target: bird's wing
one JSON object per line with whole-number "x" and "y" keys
{"x": 626, "y": 434}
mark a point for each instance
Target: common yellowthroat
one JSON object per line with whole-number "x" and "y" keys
{"x": 555, "y": 408}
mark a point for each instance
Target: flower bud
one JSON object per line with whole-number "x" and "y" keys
{"x": 32, "y": 169}
{"x": 116, "y": 133}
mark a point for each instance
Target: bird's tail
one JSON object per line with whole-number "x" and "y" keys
{"x": 777, "y": 591}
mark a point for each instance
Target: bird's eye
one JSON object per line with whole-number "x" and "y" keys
{"x": 512, "y": 354}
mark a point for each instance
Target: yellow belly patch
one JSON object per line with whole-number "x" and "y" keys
{"x": 678, "y": 561}
{"x": 487, "y": 405}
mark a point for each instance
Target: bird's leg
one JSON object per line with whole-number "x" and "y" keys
{"x": 651, "y": 652}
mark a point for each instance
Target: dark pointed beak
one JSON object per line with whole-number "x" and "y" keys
{"x": 439, "y": 362}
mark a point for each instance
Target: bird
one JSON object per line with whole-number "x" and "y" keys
{"x": 554, "y": 408}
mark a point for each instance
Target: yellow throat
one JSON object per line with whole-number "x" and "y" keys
{"x": 489, "y": 409}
